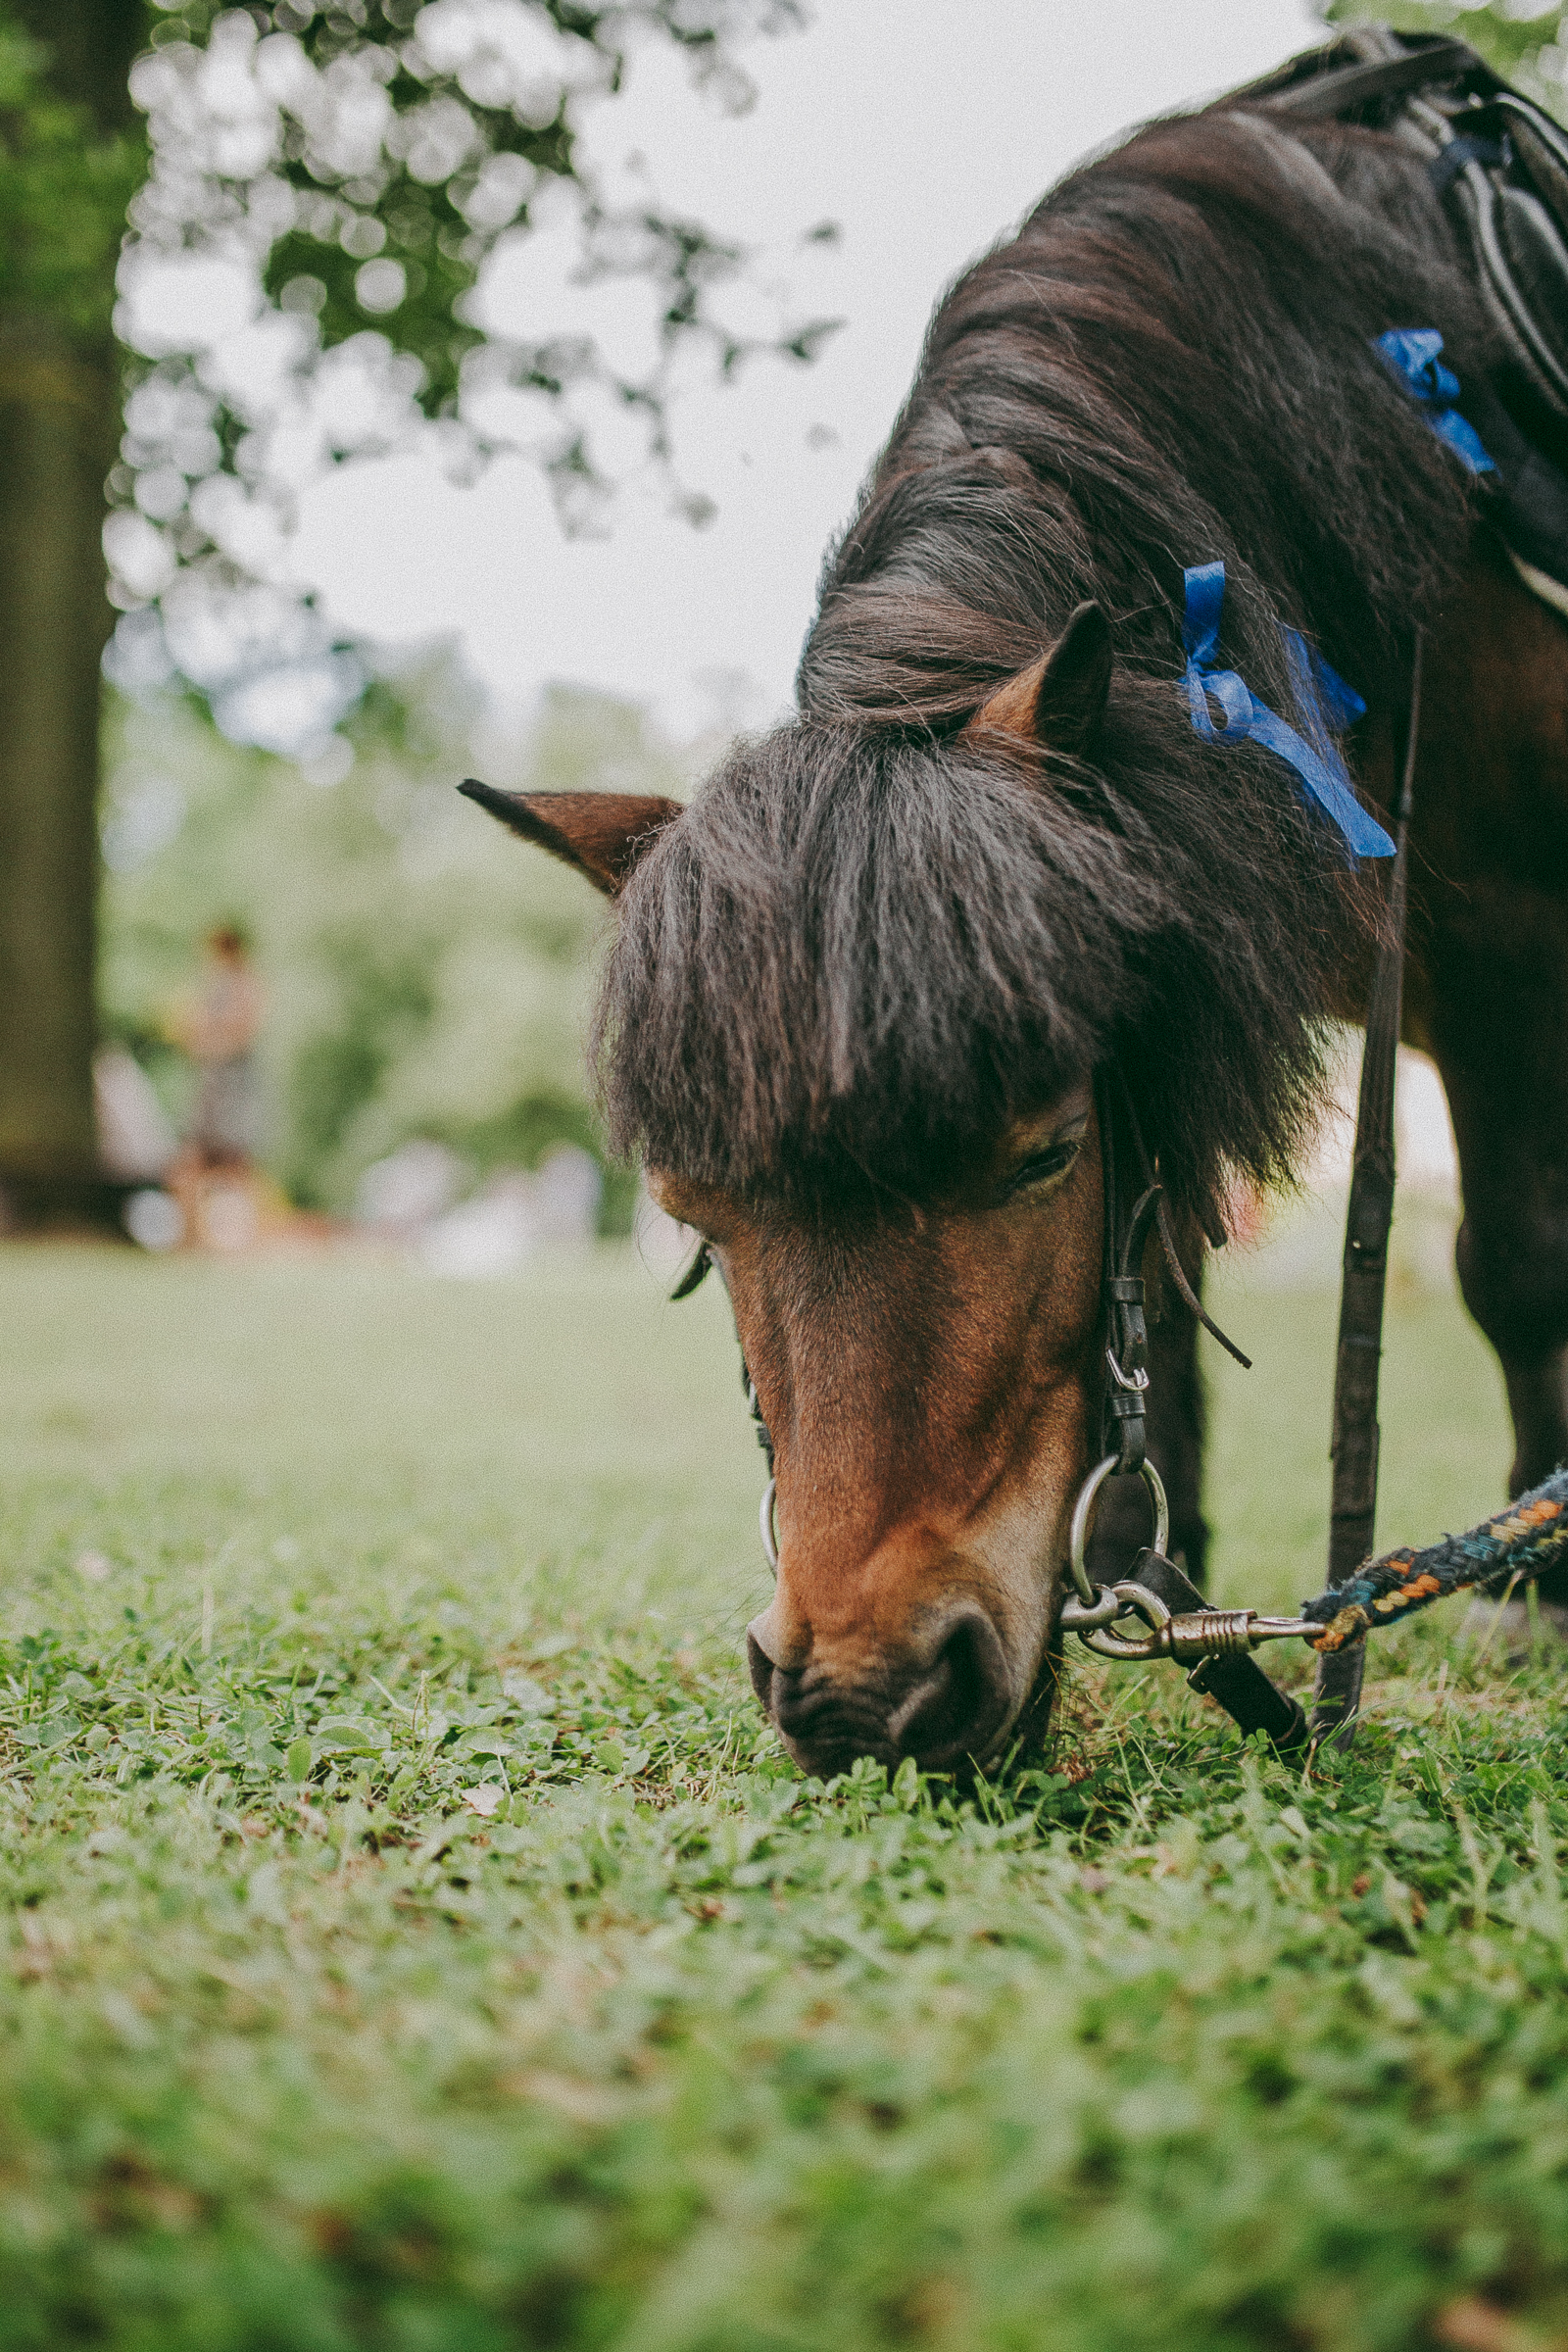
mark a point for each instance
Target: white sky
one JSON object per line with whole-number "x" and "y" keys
{"x": 925, "y": 128}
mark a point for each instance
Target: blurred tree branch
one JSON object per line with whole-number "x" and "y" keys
{"x": 360, "y": 168}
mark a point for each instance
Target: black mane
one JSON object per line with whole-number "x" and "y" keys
{"x": 868, "y": 943}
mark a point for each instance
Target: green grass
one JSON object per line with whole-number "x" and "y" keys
{"x": 1153, "y": 2044}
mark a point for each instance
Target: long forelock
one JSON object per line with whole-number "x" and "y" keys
{"x": 864, "y": 950}
{"x": 861, "y": 953}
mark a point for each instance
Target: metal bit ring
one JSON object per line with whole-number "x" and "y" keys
{"x": 1075, "y": 1618}
{"x": 1082, "y": 1520}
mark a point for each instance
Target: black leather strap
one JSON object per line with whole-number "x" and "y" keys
{"x": 1344, "y": 89}
{"x": 1353, "y": 1508}
{"x": 1126, "y": 1230}
{"x": 1240, "y": 1686}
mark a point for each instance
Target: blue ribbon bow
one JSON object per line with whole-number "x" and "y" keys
{"x": 1410, "y": 354}
{"x": 1329, "y": 703}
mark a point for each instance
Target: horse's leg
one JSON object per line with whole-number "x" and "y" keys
{"x": 1491, "y": 986}
{"x": 1502, "y": 1037}
{"x": 1175, "y": 1427}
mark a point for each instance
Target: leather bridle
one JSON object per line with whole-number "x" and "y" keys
{"x": 1154, "y": 1586}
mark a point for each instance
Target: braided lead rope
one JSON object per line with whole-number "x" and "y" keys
{"x": 1514, "y": 1548}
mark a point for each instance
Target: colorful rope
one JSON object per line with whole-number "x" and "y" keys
{"x": 1514, "y": 1548}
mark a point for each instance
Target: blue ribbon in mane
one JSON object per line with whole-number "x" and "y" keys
{"x": 1411, "y": 355}
{"x": 1319, "y": 689}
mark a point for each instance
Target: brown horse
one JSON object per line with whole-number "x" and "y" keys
{"x": 860, "y": 986}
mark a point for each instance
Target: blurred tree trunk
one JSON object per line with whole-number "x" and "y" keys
{"x": 57, "y": 425}
{"x": 58, "y": 421}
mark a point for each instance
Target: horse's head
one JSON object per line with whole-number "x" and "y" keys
{"x": 928, "y": 1373}
{"x": 857, "y": 990}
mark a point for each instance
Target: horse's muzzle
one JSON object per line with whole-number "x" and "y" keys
{"x": 945, "y": 1707}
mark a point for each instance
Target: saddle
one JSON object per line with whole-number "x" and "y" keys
{"x": 1500, "y": 162}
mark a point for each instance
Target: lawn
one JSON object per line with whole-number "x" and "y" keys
{"x": 1153, "y": 2044}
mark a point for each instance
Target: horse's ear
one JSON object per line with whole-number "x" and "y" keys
{"x": 603, "y": 834}
{"x": 1058, "y": 701}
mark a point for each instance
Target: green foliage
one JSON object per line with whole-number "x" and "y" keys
{"x": 1510, "y": 38}
{"x": 389, "y": 211}
{"x": 1152, "y": 2046}
{"x": 366, "y": 160}
{"x": 427, "y": 974}
{"x": 437, "y": 223}
{"x": 63, "y": 189}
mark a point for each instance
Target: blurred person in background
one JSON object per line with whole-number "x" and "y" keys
{"x": 213, "y": 1177}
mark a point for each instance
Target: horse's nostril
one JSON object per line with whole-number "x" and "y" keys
{"x": 955, "y": 1710}
{"x": 950, "y": 1713}
{"x": 761, "y": 1668}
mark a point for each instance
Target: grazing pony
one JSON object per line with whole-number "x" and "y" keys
{"x": 860, "y": 986}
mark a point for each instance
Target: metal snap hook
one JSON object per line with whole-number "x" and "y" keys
{"x": 769, "y": 1532}
{"x": 1133, "y": 1601}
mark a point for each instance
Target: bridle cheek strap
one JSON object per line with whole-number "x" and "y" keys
{"x": 1126, "y": 1233}
{"x": 1127, "y": 1340}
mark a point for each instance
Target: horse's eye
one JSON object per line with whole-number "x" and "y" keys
{"x": 1054, "y": 1160}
